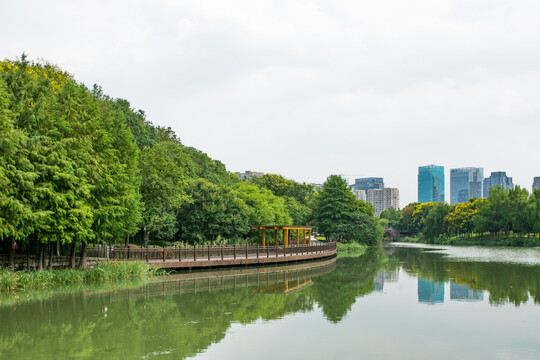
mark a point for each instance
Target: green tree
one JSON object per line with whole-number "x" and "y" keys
{"x": 406, "y": 220}
{"x": 533, "y": 212}
{"x": 162, "y": 189}
{"x": 392, "y": 215}
{"x": 280, "y": 186}
{"x": 263, "y": 207}
{"x": 493, "y": 213}
{"x": 333, "y": 205}
{"x": 517, "y": 204}
{"x": 434, "y": 221}
{"x": 360, "y": 228}
{"x": 212, "y": 214}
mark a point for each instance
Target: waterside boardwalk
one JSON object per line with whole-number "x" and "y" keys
{"x": 214, "y": 256}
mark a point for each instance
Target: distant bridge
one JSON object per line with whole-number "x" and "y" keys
{"x": 391, "y": 234}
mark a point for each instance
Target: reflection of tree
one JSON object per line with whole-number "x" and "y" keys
{"x": 153, "y": 320}
{"x": 136, "y": 325}
{"x": 337, "y": 292}
{"x": 506, "y": 283}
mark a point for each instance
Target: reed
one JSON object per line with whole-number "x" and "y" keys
{"x": 16, "y": 280}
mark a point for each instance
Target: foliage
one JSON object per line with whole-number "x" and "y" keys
{"x": 280, "y": 186}
{"x": 212, "y": 212}
{"x": 392, "y": 215}
{"x": 333, "y": 205}
{"x": 360, "y": 228}
{"x": 435, "y": 220}
{"x": 460, "y": 219}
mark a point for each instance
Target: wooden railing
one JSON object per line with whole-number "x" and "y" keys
{"x": 202, "y": 253}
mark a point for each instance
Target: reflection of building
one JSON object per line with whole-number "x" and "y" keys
{"x": 464, "y": 293}
{"x": 248, "y": 174}
{"x": 497, "y": 178}
{"x": 430, "y": 292}
{"x": 465, "y": 184}
{"x": 383, "y": 199}
{"x": 383, "y": 276}
{"x": 430, "y": 183}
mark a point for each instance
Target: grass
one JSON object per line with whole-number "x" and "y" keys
{"x": 352, "y": 249}
{"x": 20, "y": 280}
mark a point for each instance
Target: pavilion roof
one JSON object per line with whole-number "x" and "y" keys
{"x": 280, "y": 227}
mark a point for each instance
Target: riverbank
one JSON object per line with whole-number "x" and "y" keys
{"x": 511, "y": 241}
{"x": 110, "y": 271}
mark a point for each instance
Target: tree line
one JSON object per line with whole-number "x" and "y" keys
{"x": 78, "y": 167}
{"x": 505, "y": 213}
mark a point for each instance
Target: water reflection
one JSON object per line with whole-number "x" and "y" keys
{"x": 185, "y": 314}
{"x": 385, "y": 276}
{"x": 464, "y": 293}
{"x": 430, "y": 292}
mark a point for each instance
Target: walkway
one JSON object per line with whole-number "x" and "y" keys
{"x": 212, "y": 256}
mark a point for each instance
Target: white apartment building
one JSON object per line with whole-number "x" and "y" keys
{"x": 383, "y": 199}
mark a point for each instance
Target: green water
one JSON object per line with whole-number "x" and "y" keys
{"x": 406, "y": 302}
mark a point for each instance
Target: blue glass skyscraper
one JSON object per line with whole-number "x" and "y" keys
{"x": 430, "y": 183}
{"x": 497, "y": 178}
{"x": 465, "y": 184}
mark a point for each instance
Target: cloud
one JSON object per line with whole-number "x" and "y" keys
{"x": 309, "y": 88}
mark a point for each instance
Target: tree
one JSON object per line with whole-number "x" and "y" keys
{"x": 392, "y": 215}
{"x": 162, "y": 189}
{"x": 434, "y": 220}
{"x": 333, "y": 205}
{"x": 493, "y": 213}
{"x": 533, "y": 212}
{"x": 211, "y": 214}
{"x": 263, "y": 207}
{"x": 360, "y": 228}
{"x": 460, "y": 219}
{"x": 517, "y": 204}
{"x": 280, "y": 186}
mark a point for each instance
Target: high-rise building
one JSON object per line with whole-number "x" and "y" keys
{"x": 360, "y": 194}
{"x": 430, "y": 183}
{"x": 368, "y": 184}
{"x": 383, "y": 199}
{"x": 465, "y": 184}
{"x": 497, "y": 178}
{"x": 536, "y": 183}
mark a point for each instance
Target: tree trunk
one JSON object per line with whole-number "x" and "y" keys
{"x": 72, "y": 254}
{"x": 127, "y": 240}
{"x": 49, "y": 265}
{"x": 57, "y": 248}
{"x": 11, "y": 263}
{"x": 82, "y": 261}
{"x": 41, "y": 255}
{"x": 28, "y": 254}
{"x": 145, "y": 237}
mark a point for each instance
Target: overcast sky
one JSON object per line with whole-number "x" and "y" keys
{"x": 312, "y": 88}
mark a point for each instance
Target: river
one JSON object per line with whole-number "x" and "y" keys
{"x": 404, "y": 302}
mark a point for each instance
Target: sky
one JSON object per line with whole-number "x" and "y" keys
{"x": 307, "y": 89}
